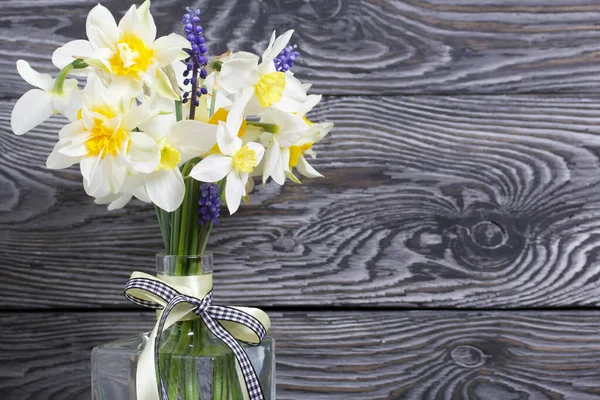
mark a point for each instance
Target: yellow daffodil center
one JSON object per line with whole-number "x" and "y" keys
{"x": 169, "y": 156}
{"x": 269, "y": 88}
{"x": 296, "y": 152}
{"x": 106, "y": 139}
{"x": 221, "y": 115}
{"x": 244, "y": 160}
{"x": 131, "y": 57}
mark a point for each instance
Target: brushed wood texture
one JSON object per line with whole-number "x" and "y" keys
{"x": 414, "y": 355}
{"x": 360, "y": 46}
{"x": 473, "y": 201}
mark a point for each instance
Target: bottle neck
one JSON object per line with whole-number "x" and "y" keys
{"x": 182, "y": 266}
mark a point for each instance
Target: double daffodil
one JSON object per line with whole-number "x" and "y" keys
{"x": 127, "y": 54}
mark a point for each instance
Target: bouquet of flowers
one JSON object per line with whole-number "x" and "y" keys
{"x": 160, "y": 121}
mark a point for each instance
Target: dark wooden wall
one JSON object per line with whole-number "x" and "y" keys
{"x": 451, "y": 252}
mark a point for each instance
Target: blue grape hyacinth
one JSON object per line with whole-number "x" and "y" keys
{"x": 196, "y": 62}
{"x": 285, "y": 60}
{"x": 208, "y": 203}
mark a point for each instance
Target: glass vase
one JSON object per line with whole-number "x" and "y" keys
{"x": 194, "y": 364}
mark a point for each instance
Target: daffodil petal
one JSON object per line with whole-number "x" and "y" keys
{"x": 249, "y": 186}
{"x": 234, "y": 191}
{"x": 71, "y": 51}
{"x": 33, "y": 108}
{"x": 311, "y": 101}
{"x": 101, "y": 28}
{"x": 212, "y": 169}
{"x": 236, "y": 114}
{"x": 293, "y": 97}
{"x": 316, "y": 133}
{"x": 170, "y": 48}
{"x": 179, "y": 68}
{"x": 34, "y": 78}
{"x": 163, "y": 86}
{"x": 131, "y": 22}
{"x": 114, "y": 201}
{"x": 306, "y": 169}
{"x": 272, "y": 156}
{"x": 143, "y": 154}
{"x": 278, "y": 173}
{"x": 270, "y": 45}
{"x": 291, "y": 127}
{"x": 285, "y": 159}
{"x": 166, "y": 188}
{"x": 68, "y": 105}
{"x": 228, "y": 143}
{"x": 71, "y": 131}
{"x": 239, "y": 73}
{"x": 74, "y": 149}
{"x": 56, "y": 160}
{"x": 102, "y": 176}
{"x": 276, "y": 46}
{"x": 141, "y": 194}
{"x": 192, "y": 138}
{"x": 122, "y": 86}
{"x": 137, "y": 116}
{"x": 148, "y": 32}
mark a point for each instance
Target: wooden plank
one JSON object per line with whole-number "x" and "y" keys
{"x": 361, "y": 46}
{"x": 411, "y": 355}
{"x": 427, "y": 202}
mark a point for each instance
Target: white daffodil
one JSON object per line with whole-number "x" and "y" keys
{"x": 289, "y": 129}
{"x": 260, "y": 86}
{"x": 178, "y": 142}
{"x": 37, "y": 105}
{"x": 126, "y": 54}
{"x": 235, "y": 162}
{"x": 102, "y": 140}
{"x": 295, "y": 154}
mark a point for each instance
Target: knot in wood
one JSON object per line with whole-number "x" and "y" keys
{"x": 284, "y": 244}
{"x": 489, "y": 234}
{"x": 468, "y": 356}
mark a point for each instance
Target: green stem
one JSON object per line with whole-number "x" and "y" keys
{"x": 178, "y": 112}
{"x": 193, "y": 246}
{"x": 166, "y": 353}
{"x": 62, "y": 75}
{"x": 163, "y": 222}
{"x": 188, "y": 212}
{"x": 175, "y": 222}
{"x": 205, "y": 238}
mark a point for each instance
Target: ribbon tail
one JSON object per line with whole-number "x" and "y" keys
{"x": 250, "y": 377}
{"x": 145, "y": 376}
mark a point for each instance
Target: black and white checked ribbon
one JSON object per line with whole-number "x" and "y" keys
{"x": 211, "y": 315}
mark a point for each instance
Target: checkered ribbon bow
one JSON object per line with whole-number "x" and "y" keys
{"x": 209, "y": 313}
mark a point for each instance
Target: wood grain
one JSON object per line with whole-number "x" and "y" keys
{"x": 415, "y": 355}
{"x": 473, "y": 201}
{"x": 360, "y": 46}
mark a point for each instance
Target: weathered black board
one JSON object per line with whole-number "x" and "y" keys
{"x": 464, "y": 172}
{"x": 361, "y": 46}
{"x": 471, "y": 201}
{"x": 339, "y": 355}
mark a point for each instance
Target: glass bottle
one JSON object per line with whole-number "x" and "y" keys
{"x": 194, "y": 364}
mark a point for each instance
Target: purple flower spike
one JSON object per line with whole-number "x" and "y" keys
{"x": 285, "y": 60}
{"x": 196, "y": 60}
{"x": 208, "y": 205}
